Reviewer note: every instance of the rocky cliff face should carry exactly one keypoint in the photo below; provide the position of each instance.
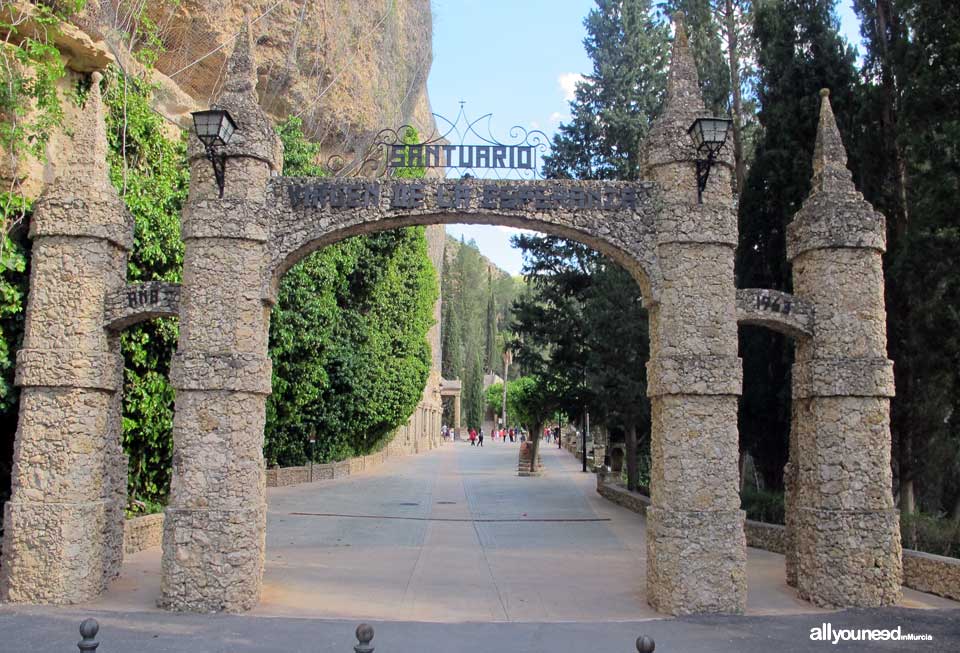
(348, 68)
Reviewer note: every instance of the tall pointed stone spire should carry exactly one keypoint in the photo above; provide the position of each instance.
(63, 534)
(241, 68)
(835, 245)
(830, 172)
(83, 175)
(255, 135)
(683, 83)
(667, 153)
(834, 212)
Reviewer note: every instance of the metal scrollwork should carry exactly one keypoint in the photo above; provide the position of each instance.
(484, 156)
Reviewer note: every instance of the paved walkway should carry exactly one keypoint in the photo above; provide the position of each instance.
(451, 536)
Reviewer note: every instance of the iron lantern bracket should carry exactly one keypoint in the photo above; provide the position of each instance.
(703, 172)
(219, 162)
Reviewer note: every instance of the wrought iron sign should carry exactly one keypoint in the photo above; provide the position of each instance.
(463, 147)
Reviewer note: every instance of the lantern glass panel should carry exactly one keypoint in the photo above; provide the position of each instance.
(709, 133)
(227, 128)
(213, 127)
(696, 133)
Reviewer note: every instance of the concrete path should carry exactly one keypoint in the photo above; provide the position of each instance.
(448, 537)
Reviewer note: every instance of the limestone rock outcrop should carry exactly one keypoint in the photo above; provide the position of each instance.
(348, 69)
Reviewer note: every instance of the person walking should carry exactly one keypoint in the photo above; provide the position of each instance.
(473, 437)
(480, 438)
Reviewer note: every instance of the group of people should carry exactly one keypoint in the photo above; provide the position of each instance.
(476, 435)
(504, 435)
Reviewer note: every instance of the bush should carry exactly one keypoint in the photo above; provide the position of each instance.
(763, 505)
(930, 534)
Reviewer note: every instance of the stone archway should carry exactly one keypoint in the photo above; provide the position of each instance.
(681, 253)
(237, 247)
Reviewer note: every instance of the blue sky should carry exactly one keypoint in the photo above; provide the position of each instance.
(516, 59)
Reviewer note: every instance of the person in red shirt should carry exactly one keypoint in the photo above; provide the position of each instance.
(473, 437)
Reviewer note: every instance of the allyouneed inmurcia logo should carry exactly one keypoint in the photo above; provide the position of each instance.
(825, 632)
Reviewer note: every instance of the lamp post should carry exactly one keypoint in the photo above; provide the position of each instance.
(215, 128)
(709, 136)
(313, 441)
(586, 434)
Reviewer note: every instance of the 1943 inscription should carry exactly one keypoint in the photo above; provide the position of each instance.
(460, 196)
(768, 302)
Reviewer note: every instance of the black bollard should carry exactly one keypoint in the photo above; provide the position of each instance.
(645, 644)
(88, 631)
(364, 637)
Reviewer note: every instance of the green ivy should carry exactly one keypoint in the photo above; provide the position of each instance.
(347, 336)
(150, 171)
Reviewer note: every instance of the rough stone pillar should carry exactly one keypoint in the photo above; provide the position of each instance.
(63, 526)
(214, 532)
(696, 550)
(847, 531)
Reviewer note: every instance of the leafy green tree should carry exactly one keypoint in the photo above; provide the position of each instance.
(616, 103)
(617, 353)
(800, 51)
(550, 319)
(347, 336)
(150, 172)
(14, 282)
(612, 113)
(533, 405)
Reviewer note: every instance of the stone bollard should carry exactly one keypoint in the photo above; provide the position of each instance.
(88, 631)
(645, 644)
(364, 637)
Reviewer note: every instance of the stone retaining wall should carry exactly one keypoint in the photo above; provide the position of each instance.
(283, 476)
(932, 573)
(142, 533)
(769, 537)
(923, 572)
(621, 496)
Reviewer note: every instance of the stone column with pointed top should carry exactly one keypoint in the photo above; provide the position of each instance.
(846, 539)
(214, 532)
(696, 550)
(63, 525)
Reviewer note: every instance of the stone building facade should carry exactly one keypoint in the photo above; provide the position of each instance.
(63, 533)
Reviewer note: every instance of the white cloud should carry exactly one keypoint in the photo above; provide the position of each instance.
(568, 84)
(556, 118)
(534, 124)
(513, 231)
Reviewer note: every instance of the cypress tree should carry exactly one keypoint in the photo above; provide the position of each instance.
(616, 103)
(491, 353)
(800, 51)
(911, 174)
(473, 398)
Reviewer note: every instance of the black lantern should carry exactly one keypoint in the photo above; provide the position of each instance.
(215, 128)
(709, 136)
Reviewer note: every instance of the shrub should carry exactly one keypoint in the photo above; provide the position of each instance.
(931, 534)
(763, 505)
